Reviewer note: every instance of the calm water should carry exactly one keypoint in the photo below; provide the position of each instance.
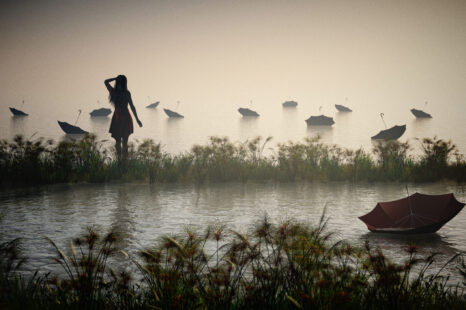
(206, 117)
(143, 213)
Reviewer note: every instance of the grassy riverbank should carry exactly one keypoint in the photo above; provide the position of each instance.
(273, 266)
(87, 160)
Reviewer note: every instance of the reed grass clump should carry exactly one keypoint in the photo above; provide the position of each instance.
(221, 160)
(284, 265)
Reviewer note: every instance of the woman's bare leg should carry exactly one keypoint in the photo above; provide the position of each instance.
(118, 148)
(125, 147)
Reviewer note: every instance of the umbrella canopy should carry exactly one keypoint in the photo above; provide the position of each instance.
(101, 112)
(70, 129)
(290, 104)
(247, 112)
(153, 105)
(320, 120)
(418, 213)
(17, 112)
(420, 114)
(342, 108)
(390, 134)
(173, 114)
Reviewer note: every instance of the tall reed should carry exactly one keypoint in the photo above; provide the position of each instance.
(284, 265)
(221, 160)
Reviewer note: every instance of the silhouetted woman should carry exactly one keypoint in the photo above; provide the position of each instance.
(122, 124)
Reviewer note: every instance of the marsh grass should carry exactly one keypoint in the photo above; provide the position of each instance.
(285, 265)
(221, 160)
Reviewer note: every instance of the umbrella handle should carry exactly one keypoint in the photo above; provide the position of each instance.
(409, 201)
(381, 116)
(79, 113)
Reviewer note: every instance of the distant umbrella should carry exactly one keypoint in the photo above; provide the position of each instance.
(17, 112)
(100, 112)
(320, 120)
(152, 105)
(247, 112)
(418, 213)
(289, 104)
(172, 114)
(420, 113)
(390, 134)
(72, 129)
(342, 108)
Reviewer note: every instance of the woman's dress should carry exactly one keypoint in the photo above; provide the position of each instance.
(122, 123)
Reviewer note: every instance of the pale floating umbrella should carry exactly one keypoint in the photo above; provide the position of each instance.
(173, 114)
(102, 112)
(421, 113)
(320, 120)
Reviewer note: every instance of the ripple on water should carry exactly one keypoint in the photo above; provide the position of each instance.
(144, 212)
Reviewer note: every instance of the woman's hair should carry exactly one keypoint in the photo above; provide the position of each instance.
(120, 89)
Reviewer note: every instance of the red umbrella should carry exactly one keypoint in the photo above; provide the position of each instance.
(418, 213)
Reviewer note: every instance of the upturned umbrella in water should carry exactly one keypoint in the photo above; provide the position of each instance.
(290, 104)
(17, 112)
(153, 105)
(420, 113)
(390, 134)
(342, 108)
(100, 112)
(320, 120)
(415, 214)
(171, 113)
(247, 112)
(72, 129)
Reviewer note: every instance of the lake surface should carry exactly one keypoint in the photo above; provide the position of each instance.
(144, 212)
(206, 117)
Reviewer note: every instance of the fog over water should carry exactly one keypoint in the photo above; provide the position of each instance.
(214, 57)
(217, 56)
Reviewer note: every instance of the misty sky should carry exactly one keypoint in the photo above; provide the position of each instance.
(63, 50)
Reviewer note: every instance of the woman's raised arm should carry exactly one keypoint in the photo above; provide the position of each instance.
(107, 83)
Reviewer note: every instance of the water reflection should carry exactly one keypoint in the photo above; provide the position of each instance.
(426, 244)
(421, 127)
(100, 124)
(18, 124)
(395, 247)
(121, 218)
(71, 137)
(143, 213)
(248, 126)
(325, 132)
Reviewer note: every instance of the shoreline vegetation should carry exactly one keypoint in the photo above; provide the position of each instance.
(289, 265)
(30, 162)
